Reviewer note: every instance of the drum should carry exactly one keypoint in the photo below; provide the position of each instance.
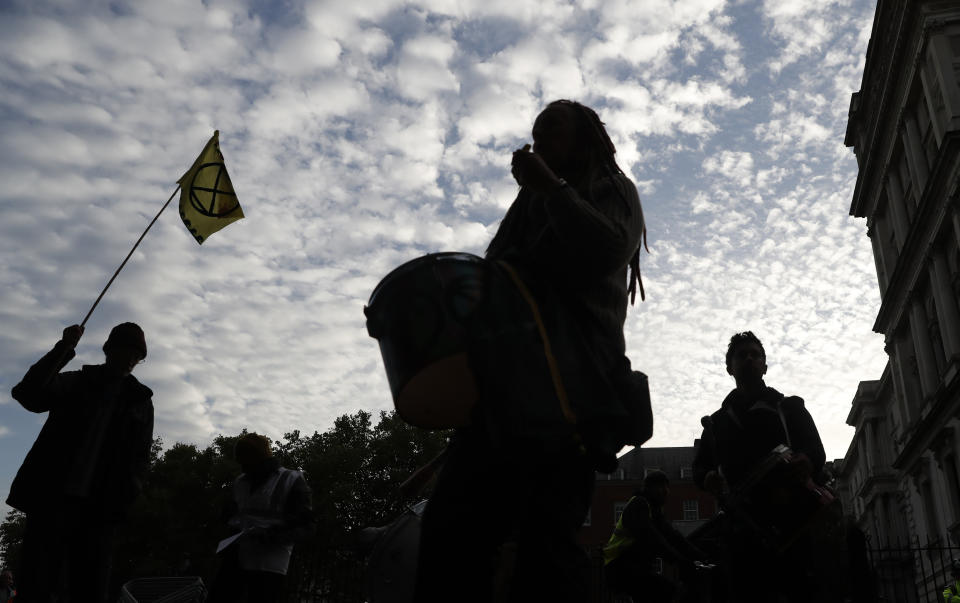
(778, 507)
(392, 567)
(422, 314)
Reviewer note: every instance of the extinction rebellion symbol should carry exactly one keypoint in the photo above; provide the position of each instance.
(204, 199)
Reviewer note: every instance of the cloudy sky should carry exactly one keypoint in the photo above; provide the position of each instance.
(363, 134)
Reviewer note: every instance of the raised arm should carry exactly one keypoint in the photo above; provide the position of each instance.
(43, 386)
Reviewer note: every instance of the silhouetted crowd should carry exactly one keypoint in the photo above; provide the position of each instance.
(523, 354)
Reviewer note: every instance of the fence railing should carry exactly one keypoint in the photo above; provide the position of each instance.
(900, 572)
(325, 575)
(911, 572)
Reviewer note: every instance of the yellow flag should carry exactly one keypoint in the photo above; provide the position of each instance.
(207, 199)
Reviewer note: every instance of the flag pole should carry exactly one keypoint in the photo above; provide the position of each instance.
(124, 263)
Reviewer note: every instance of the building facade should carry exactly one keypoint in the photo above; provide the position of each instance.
(687, 507)
(900, 478)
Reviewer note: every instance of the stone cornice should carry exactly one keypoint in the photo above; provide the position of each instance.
(881, 71)
(869, 396)
(883, 481)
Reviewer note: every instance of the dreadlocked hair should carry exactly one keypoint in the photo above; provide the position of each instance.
(593, 134)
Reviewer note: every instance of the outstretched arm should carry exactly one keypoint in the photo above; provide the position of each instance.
(43, 387)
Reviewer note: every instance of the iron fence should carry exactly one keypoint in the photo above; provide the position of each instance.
(898, 572)
(910, 572)
(325, 575)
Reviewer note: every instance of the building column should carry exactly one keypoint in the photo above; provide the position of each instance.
(916, 159)
(926, 363)
(901, 221)
(948, 315)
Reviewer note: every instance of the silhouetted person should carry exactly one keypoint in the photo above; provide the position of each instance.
(752, 421)
(502, 518)
(86, 467)
(271, 509)
(641, 536)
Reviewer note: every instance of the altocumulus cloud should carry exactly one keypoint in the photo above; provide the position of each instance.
(360, 135)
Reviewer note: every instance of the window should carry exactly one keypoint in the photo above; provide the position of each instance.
(618, 511)
(885, 231)
(691, 510)
(937, 100)
(906, 186)
(933, 332)
(686, 472)
(953, 265)
(928, 140)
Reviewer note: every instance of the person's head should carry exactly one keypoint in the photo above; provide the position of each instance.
(251, 450)
(656, 486)
(125, 347)
(746, 359)
(6, 577)
(955, 569)
(572, 140)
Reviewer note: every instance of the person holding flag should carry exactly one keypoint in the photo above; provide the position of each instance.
(85, 468)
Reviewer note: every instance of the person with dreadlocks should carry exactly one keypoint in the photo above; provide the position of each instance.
(501, 522)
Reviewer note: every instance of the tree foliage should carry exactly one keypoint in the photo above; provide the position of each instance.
(11, 537)
(353, 469)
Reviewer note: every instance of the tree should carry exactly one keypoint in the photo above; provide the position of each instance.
(354, 470)
(11, 537)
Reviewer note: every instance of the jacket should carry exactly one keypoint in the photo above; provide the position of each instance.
(642, 534)
(572, 249)
(744, 431)
(95, 444)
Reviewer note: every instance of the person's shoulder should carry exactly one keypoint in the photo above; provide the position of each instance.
(792, 402)
(638, 502)
(141, 390)
(618, 182)
(721, 412)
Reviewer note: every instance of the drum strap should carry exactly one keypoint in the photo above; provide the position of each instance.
(565, 407)
(783, 421)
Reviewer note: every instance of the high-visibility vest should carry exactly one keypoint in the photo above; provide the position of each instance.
(620, 540)
(951, 594)
(263, 508)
